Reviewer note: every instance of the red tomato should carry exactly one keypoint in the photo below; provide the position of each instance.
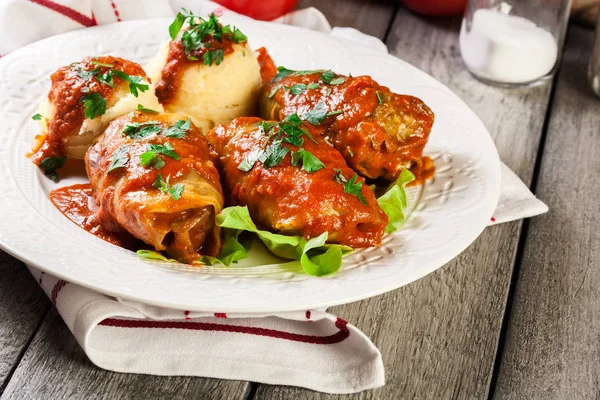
(437, 7)
(265, 10)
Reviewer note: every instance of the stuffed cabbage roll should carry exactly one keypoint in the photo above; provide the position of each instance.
(153, 176)
(294, 183)
(378, 132)
(84, 97)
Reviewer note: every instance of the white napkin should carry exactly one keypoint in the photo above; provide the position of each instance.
(308, 348)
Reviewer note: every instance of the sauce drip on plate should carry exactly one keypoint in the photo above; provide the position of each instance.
(77, 203)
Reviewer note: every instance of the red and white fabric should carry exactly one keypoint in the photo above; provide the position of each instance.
(307, 348)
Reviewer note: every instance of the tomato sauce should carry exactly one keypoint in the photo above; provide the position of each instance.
(65, 95)
(178, 60)
(77, 203)
(268, 69)
(424, 171)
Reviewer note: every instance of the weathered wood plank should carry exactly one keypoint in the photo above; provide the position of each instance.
(371, 16)
(439, 335)
(552, 346)
(22, 308)
(55, 367)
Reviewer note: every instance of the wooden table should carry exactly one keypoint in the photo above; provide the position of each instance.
(516, 316)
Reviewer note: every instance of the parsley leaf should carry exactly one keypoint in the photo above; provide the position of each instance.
(338, 81)
(379, 97)
(94, 104)
(107, 79)
(215, 56)
(140, 130)
(282, 72)
(178, 129)
(339, 176)
(176, 191)
(87, 75)
(37, 117)
(134, 82)
(310, 163)
(274, 154)
(300, 88)
(327, 76)
(250, 159)
(316, 115)
(165, 149)
(176, 25)
(355, 188)
(51, 164)
(102, 64)
(146, 110)
(119, 159)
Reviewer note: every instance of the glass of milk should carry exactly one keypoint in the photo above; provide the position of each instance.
(513, 42)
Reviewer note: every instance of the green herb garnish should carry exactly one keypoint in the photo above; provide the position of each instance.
(87, 75)
(195, 37)
(300, 88)
(355, 188)
(151, 158)
(134, 82)
(379, 97)
(309, 162)
(339, 176)
(51, 164)
(107, 79)
(119, 159)
(146, 110)
(94, 105)
(37, 117)
(327, 76)
(102, 64)
(166, 150)
(164, 186)
(140, 130)
(178, 129)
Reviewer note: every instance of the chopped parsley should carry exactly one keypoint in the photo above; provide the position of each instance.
(338, 81)
(355, 188)
(102, 64)
(176, 191)
(339, 176)
(140, 130)
(94, 105)
(166, 150)
(379, 97)
(51, 164)
(150, 158)
(300, 88)
(327, 76)
(195, 37)
(134, 82)
(37, 117)
(119, 159)
(87, 75)
(141, 108)
(249, 161)
(178, 129)
(282, 72)
(107, 79)
(309, 162)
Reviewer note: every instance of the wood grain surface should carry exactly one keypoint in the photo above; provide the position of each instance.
(552, 346)
(22, 308)
(439, 335)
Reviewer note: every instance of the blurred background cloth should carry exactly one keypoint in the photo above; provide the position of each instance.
(585, 11)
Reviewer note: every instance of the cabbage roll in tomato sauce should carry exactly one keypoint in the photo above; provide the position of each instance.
(378, 132)
(295, 183)
(153, 175)
(84, 97)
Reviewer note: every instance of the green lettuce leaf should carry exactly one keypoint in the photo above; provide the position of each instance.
(316, 257)
(393, 202)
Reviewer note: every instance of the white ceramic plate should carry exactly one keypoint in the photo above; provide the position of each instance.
(449, 212)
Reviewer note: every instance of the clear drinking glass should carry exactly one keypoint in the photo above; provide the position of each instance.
(594, 71)
(513, 42)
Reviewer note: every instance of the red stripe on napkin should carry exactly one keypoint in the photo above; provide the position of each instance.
(337, 337)
(67, 12)
(116, 11)
(56, 290)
